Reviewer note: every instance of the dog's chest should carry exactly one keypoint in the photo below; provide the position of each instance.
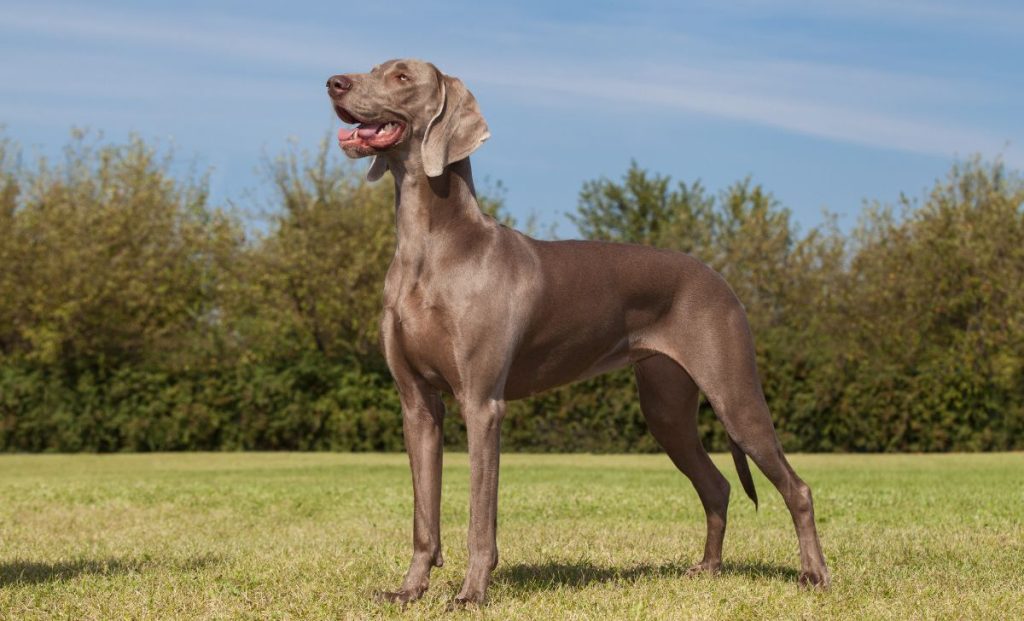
(422, 329)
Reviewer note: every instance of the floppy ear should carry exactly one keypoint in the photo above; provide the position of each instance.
(456, 130)
(377, 168)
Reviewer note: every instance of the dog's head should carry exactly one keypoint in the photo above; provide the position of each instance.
(409, 110)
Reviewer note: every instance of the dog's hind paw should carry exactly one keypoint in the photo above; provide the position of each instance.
(704, 568)
(815, 579)
(403, 596)
(462, 602)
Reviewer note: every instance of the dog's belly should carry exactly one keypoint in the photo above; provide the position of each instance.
(538, 370)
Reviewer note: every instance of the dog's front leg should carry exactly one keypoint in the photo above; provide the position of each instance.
(422, 417)
(483, 426)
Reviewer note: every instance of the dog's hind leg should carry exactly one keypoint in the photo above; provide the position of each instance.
(722, 362)
(668, 398)
(751, 428)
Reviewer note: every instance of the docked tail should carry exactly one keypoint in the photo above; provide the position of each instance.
(743, 469)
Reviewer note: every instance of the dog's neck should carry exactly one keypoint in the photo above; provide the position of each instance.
(426, 207)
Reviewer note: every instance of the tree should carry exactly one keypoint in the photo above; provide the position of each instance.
(313, 282)
(934, 317)
(107, 259)
(643, 209)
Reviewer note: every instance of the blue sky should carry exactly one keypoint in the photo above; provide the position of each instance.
(826, 103)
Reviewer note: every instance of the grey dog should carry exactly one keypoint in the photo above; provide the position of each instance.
(482, 312)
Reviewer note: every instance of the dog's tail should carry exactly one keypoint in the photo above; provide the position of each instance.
(743, 469)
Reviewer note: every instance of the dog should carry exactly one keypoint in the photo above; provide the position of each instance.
(482, 312)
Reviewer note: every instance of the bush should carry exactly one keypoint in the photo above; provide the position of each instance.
(135, 316)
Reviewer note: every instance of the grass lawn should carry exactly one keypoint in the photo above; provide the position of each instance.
(312, 536)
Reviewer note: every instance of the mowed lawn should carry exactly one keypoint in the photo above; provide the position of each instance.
(313, 536)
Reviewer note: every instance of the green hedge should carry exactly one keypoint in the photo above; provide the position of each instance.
(315, 405)
(302, 406)
(134, 316)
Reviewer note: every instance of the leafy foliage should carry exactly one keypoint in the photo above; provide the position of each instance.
(136, 316)
(906, 336)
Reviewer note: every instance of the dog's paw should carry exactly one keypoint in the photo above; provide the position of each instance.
(815, 579)
(463, 603)
(704, 568)
(467, 600)
(402, 596)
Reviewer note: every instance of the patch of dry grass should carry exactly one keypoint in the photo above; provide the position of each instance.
(312, 536)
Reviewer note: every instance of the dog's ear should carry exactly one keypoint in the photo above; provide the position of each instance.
(456, 130)
(378, 167)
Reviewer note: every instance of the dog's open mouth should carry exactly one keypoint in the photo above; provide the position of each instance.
(368, 137)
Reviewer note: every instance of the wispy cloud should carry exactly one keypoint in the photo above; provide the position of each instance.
(984, 15)
(752, 93)
(851, 104)
(240, 38)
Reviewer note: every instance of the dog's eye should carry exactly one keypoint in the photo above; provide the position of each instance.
(402, 77)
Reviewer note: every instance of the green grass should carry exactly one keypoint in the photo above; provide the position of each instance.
(312, 536)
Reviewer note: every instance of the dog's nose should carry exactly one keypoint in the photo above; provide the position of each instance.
(338, 84)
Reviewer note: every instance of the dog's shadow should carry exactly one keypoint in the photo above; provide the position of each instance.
(23, 572)
(577, 575)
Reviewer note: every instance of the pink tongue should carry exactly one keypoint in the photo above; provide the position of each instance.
(346, 134)
(368, 131)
